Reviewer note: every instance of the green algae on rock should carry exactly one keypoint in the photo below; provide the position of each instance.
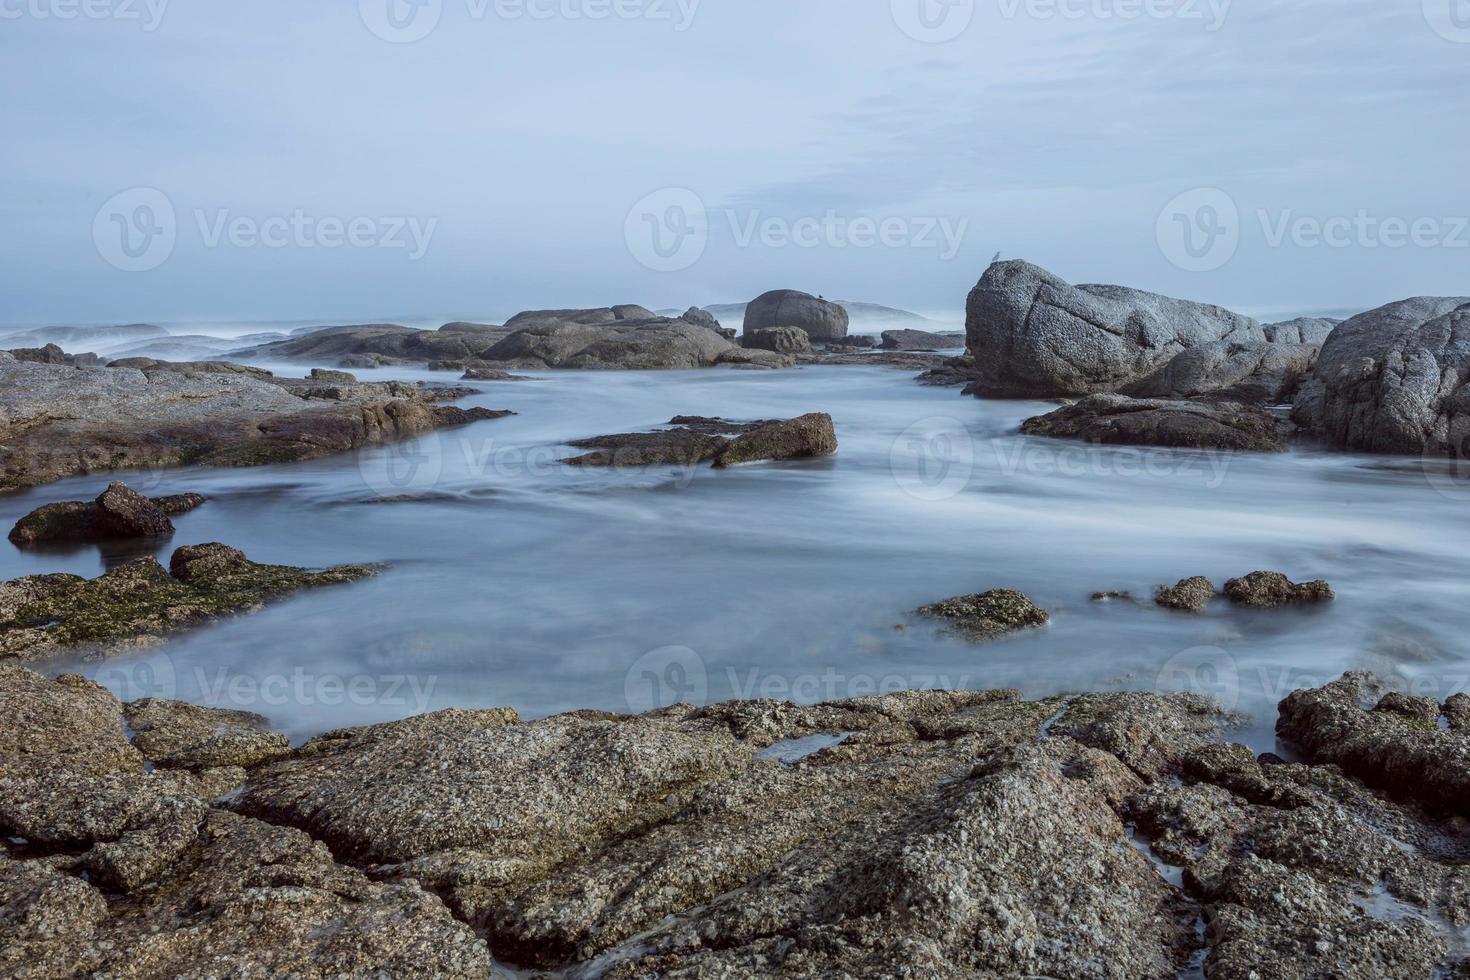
(989, 614)
(139, 603)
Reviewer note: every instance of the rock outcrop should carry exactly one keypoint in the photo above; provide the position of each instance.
(782, 340)
(378, 343)
(1394, 380)
(118, 512)
(1033, 335)
(1189, 595)
(626, 344)
(822, 320)
(690, 440)
(921, 340)
(915, 834)
(1199, 424)
(141, 602)
(1271, 590)
(58, 421)
(989, 614)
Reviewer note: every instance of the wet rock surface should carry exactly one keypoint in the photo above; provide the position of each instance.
(1177, 424)
(1033, 335)
(1394, 380)
(140, 602)
(989, 614)
(118, 512)
(690, 440)
(1270, 590)
(1189, 595)
(58, 421)
(920, 834)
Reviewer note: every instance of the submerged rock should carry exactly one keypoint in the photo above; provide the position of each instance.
(1269, 590)
(57, 421)
(693, 440)
(818, 318)
(1190, 595)
(1395, 380)
(1034, 335)
(989, 614)
(1117, 419)
(139, 603)
(806, 437)
(119, 512)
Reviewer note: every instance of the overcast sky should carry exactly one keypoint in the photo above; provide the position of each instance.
(307, 160)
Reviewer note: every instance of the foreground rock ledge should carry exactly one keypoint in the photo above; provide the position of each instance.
(924, 834)
(58, 421)
(141, 602)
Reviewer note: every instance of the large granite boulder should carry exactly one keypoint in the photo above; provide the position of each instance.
(1255, 372)
(782, 340)
(1395, 380)
(1303, 330)
(1033, 335)
(822, 320)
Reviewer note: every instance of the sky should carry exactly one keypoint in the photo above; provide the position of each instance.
(181, 160)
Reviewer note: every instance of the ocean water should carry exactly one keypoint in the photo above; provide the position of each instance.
(511, 580)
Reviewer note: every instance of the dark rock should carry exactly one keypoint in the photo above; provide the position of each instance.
(800, 438)
(951, 373)
(118, 512)
(139, 603)
(1303, 330)
(1270, 590)
(740, 357)
(50, 354)
(449, 415)
(1190, 595)
(782, 340)
(1394, 380)
(790, 308)
(1117, 419)
(332, 377)
(989, 614)
(681, 446)
(1035, 336)
(704, 318)
(480, 329)
(921, 340)
(374, 344)
(151, 366)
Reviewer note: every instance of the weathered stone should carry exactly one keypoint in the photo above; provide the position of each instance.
(1269, 590)
(57, 421)
(920, 340)
(67, 723)
(118, 513)
(741, 357)
(820, 319)
(652, 344)
(139, 603)
(989, 614)
(1034, 335)
(1395, 380)
(1189, 595)
(332, 377)
(1251, 372)
(806, 437)
(782, 340)
(1117, 419)
(176, 735)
